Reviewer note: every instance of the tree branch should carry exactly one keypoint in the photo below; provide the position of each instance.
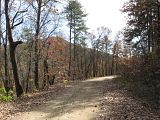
(17, 43)
(15, 16)
(12, 27)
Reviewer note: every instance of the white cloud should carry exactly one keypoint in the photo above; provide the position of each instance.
(104, 13)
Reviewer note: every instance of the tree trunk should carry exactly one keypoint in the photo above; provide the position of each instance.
(6, 79)
(19, 90)
(158, 33)
(74, 49)
(28, 73)
(70, 46)
(112, 64)
(85, 64)
(36, 77)
(46, 71)
(94, 63)
(46, 76)
(0, 46)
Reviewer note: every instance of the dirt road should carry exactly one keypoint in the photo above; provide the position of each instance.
(94, 99)
(78, 102)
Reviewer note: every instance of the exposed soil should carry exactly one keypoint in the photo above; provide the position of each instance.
(94, 99)
(78, 102)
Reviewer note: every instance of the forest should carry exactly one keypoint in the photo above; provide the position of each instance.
(34, 54)
(47, 42)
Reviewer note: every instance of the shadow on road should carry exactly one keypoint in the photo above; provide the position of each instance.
(78, 101)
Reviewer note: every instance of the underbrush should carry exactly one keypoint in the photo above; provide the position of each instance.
(4, 96)
(140, 91)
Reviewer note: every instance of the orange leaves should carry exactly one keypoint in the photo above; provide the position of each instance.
(57, 48)
(56, 43)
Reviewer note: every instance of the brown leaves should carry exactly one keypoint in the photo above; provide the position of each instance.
(117, 104)
(27, 102)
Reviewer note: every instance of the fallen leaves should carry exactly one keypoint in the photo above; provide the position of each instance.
(117, 104)
(27, 102)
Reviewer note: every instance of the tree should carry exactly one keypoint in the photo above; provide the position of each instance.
(116, 51)
(36, 79)
(142, 23)
(100, 44)
(143, 30)
(0, 43)
(12, 46)
(44, 12)
(75, 17)
(25, 57)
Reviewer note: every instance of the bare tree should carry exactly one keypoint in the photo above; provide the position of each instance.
(12, 46)
(43, 10)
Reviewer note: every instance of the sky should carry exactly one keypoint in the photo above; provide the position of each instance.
(104, 13)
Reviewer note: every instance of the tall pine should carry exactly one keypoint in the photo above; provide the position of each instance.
(76, 21)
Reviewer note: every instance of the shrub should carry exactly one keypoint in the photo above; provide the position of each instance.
(6, 98)
(145, 71)
(3, 95)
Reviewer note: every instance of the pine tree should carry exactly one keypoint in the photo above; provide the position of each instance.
(76, 21)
